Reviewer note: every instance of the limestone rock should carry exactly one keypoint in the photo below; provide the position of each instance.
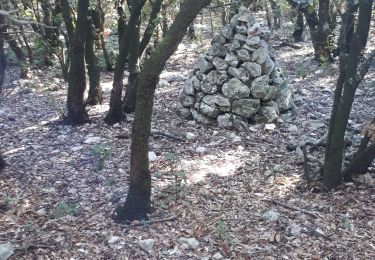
(260, 87)
(246, 107)
(204, 65)
(220, 63)
(235, 89)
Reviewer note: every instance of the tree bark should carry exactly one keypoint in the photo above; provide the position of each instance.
(77, 74)
(133, 79)
(115, 113)
(152, 23)
(298, 29)
(108, 63)
(324, 31)
(95, 95)
(21, 57)
(332, 171)
(2, 162)
(138, 201)
(3, 61)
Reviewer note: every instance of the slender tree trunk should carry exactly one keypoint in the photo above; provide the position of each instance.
(21, 57)
(2, 162)
(3, 61)
(298, 29)
(115, 113)
(276, 10)
(121, 21)
(77, 74)
(95, 95)
(164, 19)
(324, 31)
(133, 79)
(138, 203)
(332, 172)
(108, 63)
(152, 23)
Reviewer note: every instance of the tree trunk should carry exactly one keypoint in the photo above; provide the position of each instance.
(133, 79)
(95, 95)
(115, 113)
(152, 23)
(77, 74)
(324, 31)
(332, 171)
(21, 57)
(276, 11)
(164, 19)
(3, 61)
(100, 26)
(138, 203)
(2, 162)
(360, 162)
(298, 29)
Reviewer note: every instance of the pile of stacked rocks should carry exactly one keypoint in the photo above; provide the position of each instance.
(237, 80)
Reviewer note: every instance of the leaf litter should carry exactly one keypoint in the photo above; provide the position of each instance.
(222, 194)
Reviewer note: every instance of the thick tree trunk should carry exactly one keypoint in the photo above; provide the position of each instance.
(332, 171)
(77, 74)
(138, 204)
(95, 95)
(115, 113)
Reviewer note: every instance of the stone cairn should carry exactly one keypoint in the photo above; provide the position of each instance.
(236, 81)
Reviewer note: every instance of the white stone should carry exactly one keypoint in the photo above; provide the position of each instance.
(114, 239)
(152, 156)
(92, 140)
(191, 242)
(146, 244)
(217, 256)
(200, 149)
(190, 136)
(269, 127)
(271, 215)
(76, 148)
(365, 178)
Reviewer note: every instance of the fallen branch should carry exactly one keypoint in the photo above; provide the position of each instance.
(294, 208)
(149, 222)
(166, 134)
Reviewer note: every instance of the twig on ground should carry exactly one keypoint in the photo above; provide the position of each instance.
(149, 222)
(293, 208)
(166, 134)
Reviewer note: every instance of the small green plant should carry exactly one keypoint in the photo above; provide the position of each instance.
(301, 72)
(223, 230)
(102, 154)
(180, 177)
(63, 209)
(31, 227)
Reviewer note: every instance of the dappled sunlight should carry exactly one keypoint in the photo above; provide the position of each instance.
(221, 164)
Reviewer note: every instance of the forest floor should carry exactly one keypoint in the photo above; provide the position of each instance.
(238, 196)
